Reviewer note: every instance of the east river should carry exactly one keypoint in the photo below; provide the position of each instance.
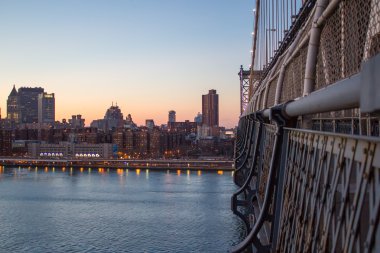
(84, 210)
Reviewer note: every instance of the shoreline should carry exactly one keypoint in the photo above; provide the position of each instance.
(115, 164)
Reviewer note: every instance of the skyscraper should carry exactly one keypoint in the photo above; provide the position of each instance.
(28, 104)
(171, 117)
(210, 109)
(198, 118)
(112, 119)
(46, 108)
(13, 111)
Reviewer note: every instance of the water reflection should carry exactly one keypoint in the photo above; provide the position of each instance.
(88, 208)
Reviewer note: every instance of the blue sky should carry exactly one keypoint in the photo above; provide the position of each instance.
(149, 56)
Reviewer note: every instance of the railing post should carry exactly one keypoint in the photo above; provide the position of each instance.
(312, 51)
(246, 188)
(273, 188)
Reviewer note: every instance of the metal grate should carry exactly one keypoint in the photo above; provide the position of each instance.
(373, 34)
(342, 44)
(294, 76)
(271, 92)
(332, 193)
(269, 132)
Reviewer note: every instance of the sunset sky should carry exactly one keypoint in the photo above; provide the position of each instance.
(149, 56)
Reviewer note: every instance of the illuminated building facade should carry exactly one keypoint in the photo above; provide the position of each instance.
(46, 108)
(71, 150)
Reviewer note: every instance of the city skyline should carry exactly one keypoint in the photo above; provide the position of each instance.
(49, 110)
(148, 57)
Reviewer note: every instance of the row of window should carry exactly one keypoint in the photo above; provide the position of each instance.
(76, 155)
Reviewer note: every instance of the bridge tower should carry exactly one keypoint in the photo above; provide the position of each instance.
(244, 88)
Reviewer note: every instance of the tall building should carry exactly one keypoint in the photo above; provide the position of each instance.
(46, 108)
(210, 109)
(112, 119)
(76, 121)
(129, 124)
(171, 116)
(13, 111)
(149, 123)
(28, 104)
(198, 118)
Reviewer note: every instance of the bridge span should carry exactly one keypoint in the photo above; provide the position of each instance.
(307, 154)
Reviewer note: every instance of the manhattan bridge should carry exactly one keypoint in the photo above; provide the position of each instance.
(307, 154)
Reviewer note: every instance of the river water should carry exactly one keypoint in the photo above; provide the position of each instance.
(84, 210)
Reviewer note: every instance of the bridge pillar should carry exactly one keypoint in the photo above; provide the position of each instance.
(244, 88)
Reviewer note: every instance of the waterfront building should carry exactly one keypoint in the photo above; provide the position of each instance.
(71, 150)
(142, 142)
(5, 142)
(129, 142)
(172, 116)
(154, 142)
(85, 135)
(46, 108)
(118, 139)
(13, 110)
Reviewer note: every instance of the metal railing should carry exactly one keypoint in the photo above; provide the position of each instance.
(308, 163)
(310, 191)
